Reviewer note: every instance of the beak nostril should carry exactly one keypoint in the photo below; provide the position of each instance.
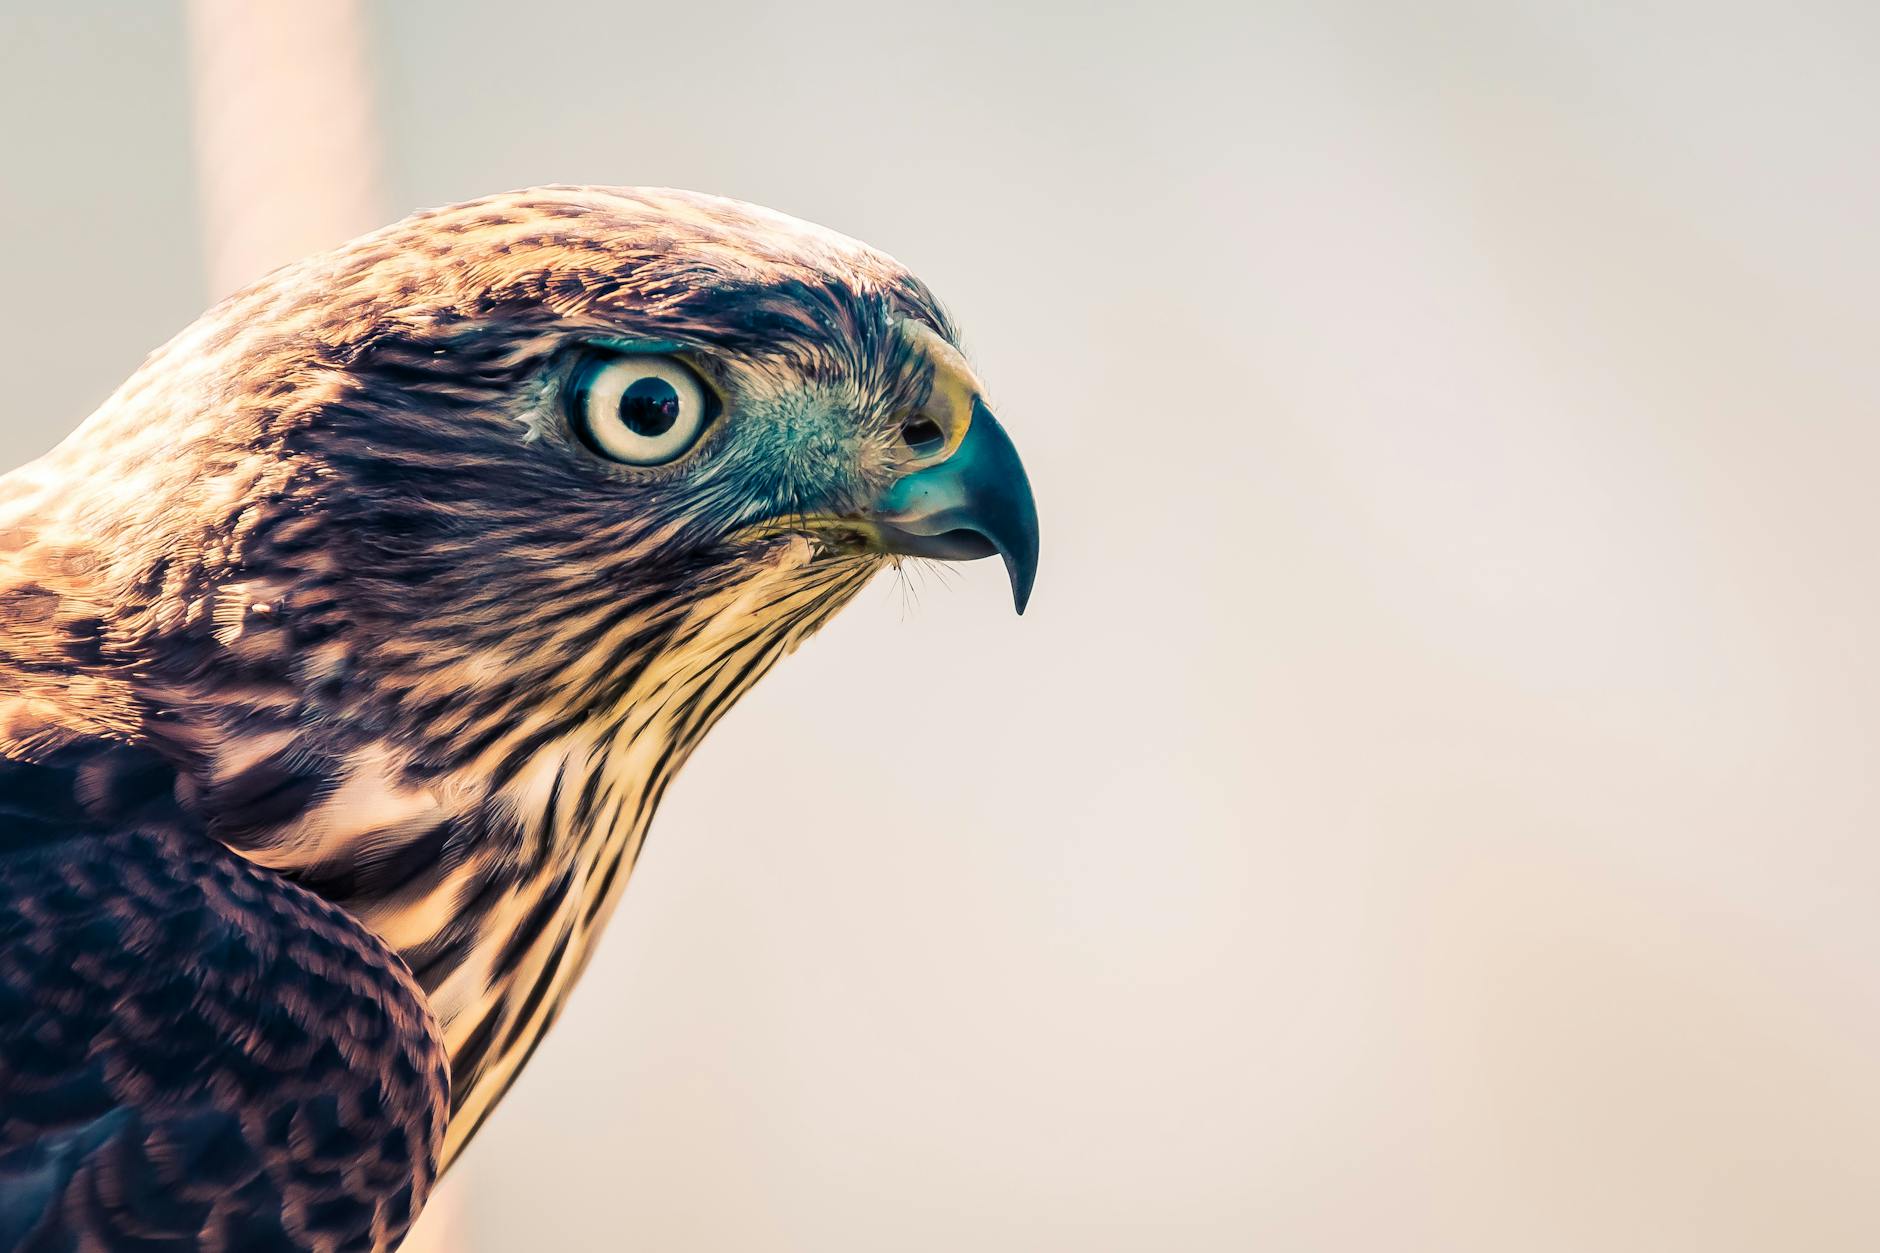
(923, 435)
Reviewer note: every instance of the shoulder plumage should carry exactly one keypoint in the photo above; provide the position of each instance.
(192, 1049)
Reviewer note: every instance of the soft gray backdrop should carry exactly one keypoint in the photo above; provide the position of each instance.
(1431, 804)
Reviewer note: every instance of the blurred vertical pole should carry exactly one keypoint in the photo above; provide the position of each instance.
(286, 145)
(287, 163)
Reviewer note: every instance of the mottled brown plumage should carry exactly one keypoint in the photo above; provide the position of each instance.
(333, 606)
(192, 1052)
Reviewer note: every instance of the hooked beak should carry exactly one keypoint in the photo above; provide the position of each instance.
(972, 504)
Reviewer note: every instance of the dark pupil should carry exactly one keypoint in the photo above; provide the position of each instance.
(650, 407)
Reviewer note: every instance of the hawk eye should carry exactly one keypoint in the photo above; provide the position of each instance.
(640, 410)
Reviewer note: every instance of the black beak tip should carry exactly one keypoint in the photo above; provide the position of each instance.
(1021, 585)
(1021, 565)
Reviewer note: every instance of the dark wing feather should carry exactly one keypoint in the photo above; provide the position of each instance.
(194, 1053)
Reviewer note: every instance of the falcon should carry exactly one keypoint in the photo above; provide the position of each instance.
(346, 652)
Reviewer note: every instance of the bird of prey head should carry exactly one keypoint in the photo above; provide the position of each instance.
(425, 563)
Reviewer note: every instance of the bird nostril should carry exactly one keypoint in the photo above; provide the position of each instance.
(923, 435)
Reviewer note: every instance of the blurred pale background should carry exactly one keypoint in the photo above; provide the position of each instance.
(1431, 804)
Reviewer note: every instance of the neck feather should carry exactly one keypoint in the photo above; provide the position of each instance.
(493, 879)
(481, 818)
